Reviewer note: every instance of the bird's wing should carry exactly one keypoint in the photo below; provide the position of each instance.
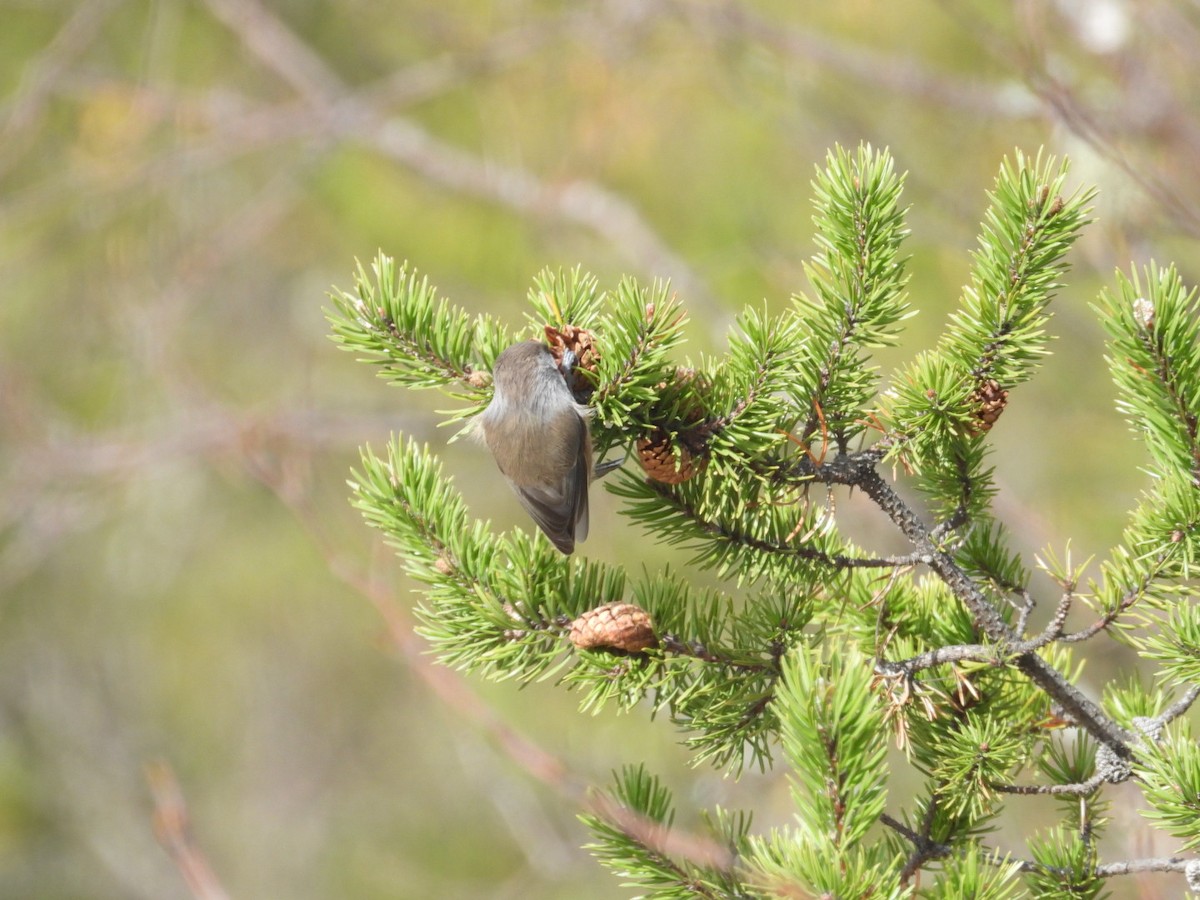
(561, 509)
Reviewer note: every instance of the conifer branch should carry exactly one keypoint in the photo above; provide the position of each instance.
(396, 320)
(960, 515)
(824, 654)
(1155, 362)
(729, 531)
(702, 653)
(1082, 710)
(1126, 602)
(634, 833)
(861, 473)
(639, 329)
(948, 397)
(859, 280)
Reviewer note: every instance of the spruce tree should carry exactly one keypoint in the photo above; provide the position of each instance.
(818, 653)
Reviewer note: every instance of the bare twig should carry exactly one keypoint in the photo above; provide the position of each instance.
(941, 656)
(924, 849)
(1179, 707)
(41, 72)
(1081, 789)
(901, 75)
(1054, 628)
(1025, 612)
(172, 826)
(1133, 866)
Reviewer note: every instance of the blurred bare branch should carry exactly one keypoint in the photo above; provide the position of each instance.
(62, 484)
(40, 74)
(280, 48)
(328, 110)
(871, 67)
(356, 118)
(1145, 126)
(173, 827)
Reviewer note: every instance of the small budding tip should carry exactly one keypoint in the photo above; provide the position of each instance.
(1143, 313)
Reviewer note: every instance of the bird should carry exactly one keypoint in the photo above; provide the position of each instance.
(538, 435)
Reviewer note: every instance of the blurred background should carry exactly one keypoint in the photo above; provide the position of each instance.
(192, 613)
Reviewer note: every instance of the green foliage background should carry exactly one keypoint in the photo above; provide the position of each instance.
(181, 577)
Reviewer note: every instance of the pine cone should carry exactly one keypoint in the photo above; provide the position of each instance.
(989, 401)
(665, 460)
(583, 344)
(614, 627)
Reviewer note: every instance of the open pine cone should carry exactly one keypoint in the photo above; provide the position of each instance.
(989, 402)
(581, 342)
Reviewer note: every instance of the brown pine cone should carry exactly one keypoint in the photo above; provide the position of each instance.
(614, 626)
(989, 402)
(582, 343)
(665, 460)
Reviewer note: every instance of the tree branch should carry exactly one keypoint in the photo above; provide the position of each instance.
(940, 656)
(172, 826)
(924, 849)
(859, 470)
(1082, 789)
(1179, 707)
(798, 551)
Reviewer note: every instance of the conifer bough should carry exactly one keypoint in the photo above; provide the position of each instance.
(817, 652)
